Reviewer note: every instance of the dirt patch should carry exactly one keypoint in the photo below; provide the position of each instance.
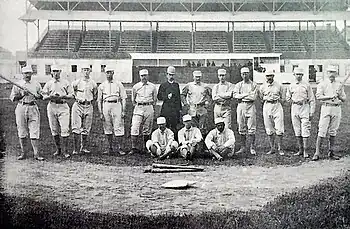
(100, 188)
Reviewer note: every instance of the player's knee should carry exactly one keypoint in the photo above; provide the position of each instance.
(174, 145)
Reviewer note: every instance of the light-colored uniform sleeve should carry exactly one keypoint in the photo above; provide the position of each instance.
(342, 93)
(197, 137)
(289, 94)
(181, 136)
(311, 98)
(230, 143)
(154, 94)
(209, 139)
(94, 90)
(14, 93)
(215, 95)
(133, 95)
(170, 138)
(100, 92)
(154, 138)
(122, 91)
(253, 93)
(319, 91)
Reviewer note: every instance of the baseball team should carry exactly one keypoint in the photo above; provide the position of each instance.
(196, 98)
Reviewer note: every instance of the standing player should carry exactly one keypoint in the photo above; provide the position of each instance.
(169, 93)
(111, 105)
(144, 98)
(303, 107)
(221, 140)
(331, 93)
(189, 138)
(85, 92)
(57, 90)
(196, 95)
(27, 112)
(271, 93)
(222, 97)
(246, 93)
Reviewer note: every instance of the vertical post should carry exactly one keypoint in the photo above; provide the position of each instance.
(315, 50)
(192, 37)
(345, 33)
(335, 26)
(68, 43)
(269, 26)
(151, 36)
(110, 36)
(307, 26)
(48, 25)
(274, 36)
(233, 36)
(228, 27)
(26, 39)
(264, 27)
(120, 32)
(38, 28)
(299, 26)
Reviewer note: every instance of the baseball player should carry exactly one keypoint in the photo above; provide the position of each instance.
(271, 93)
(144, 98)
(169, 93)
(84, 92)
(221, 140)
(189, 138)
(196, 95)
(246, 93)
(162, 143)
(111, 105)
(302, 97)
(27, 112)
(222, 97)
(331, 94)
(57, 91)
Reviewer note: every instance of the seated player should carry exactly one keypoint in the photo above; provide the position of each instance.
(221, 140)
(162, 143)
(189, 138)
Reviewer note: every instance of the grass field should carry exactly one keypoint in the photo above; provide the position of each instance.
(98, 191)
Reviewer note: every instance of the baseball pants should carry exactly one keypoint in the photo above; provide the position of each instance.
(58, 115)
(223, 112)
(113, 121)
(273, 118)
(329, 120)
(28, 121)
(81, 118)
(246, 118)
(301, 120)
(142, 117)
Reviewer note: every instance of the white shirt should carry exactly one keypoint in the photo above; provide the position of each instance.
(226, 138)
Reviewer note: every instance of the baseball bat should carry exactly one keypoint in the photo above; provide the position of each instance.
(17, 85)
(167, 166)
(156, 170)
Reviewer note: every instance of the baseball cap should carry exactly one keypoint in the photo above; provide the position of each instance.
(298, 70)
(27, 69)
(83, 66)
(269, 72)
(221, 71)
(244, 70)
(161, 120)
(55, 67)
(143, 72)
(219, 120)
(197, 73)
(171, 70)
(186, 118)
(108, 68)
(332, 68)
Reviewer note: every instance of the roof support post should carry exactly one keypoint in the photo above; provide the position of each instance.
(110, 36)
(299, 26)
(48, 25)
(307, 26)
(192, 37)
(68, 43)
(233, 36)
(38, 30)
(270, 26)
(315, 49)
(264, 27)
(26, 39)
(345, 34)
(335, 26)
(151, 36)
(120, 32)
(274, 36)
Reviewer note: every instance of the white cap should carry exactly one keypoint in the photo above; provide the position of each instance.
(269, 72)
(108, 68)
(143, 72)
(332, 68)
(221, 71)
(161, 120)
(55, 67)
(83, 66)
(171, 70)
(27, 69)
(244, 70)
(219, 120)
(197, 73)
(186, 118)
(298, 70)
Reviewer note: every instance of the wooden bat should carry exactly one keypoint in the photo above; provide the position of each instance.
(17, 85)
(158, 170)
(166, 166)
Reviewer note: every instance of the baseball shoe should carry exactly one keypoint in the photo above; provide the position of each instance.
(241, 150)
(297, 153)
(281, 152)
(121, 153)
(107, 152)
(306, 155)
(85, 151)
(133, 151)
(75, 152)
(252, 151)
(39, 158)
(315, 158)
(272, 151)
(21, 157)
(332, 156)
(67, 155)
(57, 153)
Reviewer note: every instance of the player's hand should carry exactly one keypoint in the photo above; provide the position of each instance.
(75, 88)
(123, 114)
(311, 117)
(102, 117)
(214, 147)
(25, 92)
(170, 95)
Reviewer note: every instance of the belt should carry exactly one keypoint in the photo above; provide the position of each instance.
(114, 101)
(301, 103)
(58, 102)
(144, 104)
(248, 102)
(272, 101)
(84, 102)
(331, 104)
(29, 103)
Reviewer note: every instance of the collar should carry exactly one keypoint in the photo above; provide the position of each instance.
(188, 129)
(56, 81)
(171, 82)
(194, 82)
(86, 79)
(110, 81)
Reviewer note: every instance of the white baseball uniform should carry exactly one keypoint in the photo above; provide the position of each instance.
(222, 94)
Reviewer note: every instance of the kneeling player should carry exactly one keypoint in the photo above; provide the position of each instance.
(189, 138)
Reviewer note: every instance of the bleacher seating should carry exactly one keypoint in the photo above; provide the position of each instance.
(98, 41)
(57, 40)
(211, 41)
(286, 41)
(174, 41)
(135, 41)
(249, 41)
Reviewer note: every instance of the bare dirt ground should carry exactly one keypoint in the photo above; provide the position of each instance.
(125, 189)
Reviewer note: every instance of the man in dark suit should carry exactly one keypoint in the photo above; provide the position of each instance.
(169, 93)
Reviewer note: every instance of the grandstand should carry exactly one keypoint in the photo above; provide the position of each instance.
(307, 46)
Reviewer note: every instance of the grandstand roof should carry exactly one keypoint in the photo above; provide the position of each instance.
(125, 16)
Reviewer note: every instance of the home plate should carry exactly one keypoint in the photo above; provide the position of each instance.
(178, 184)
